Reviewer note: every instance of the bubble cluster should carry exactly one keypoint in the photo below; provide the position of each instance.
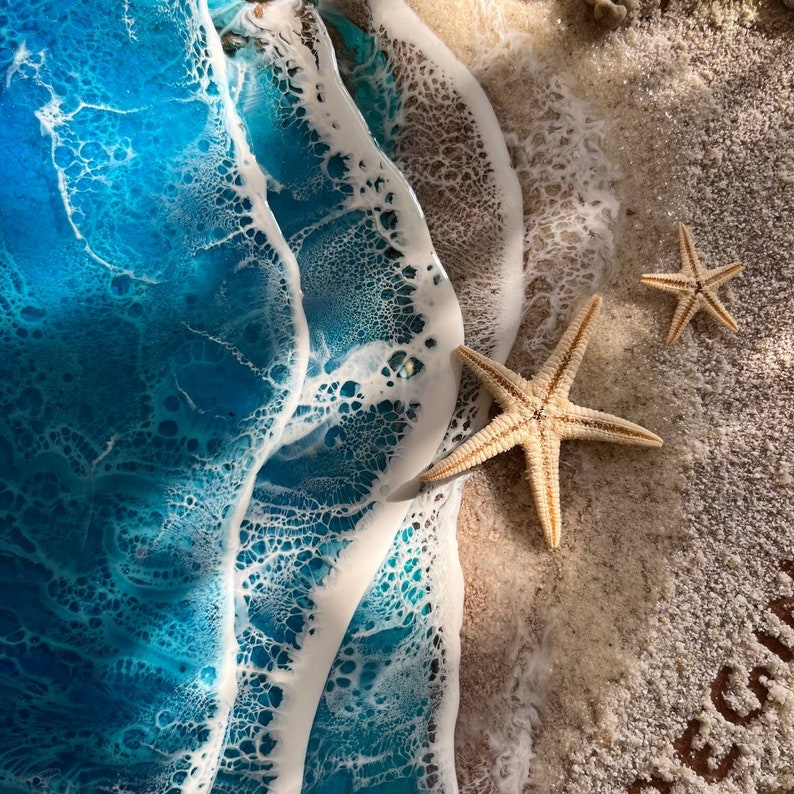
(448, 144)
(373, 297)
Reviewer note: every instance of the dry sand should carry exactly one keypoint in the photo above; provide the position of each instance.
(610, 662)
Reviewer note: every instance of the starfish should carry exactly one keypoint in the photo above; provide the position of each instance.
(538, 416)
(694, 286)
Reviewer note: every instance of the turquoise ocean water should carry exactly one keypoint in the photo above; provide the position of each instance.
(220, 315)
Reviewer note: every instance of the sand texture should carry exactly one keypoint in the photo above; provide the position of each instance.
(654, 651)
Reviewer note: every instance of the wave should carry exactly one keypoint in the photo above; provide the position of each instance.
(153, 346)
(226, 343)
(383, 322)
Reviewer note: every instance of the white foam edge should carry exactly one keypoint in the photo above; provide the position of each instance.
(337, 118)
(401, 22)
(337, 600)
(450, 591)
(585, 209)
(355, 568)
(205, 761)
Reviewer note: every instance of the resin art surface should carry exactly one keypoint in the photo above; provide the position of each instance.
(226, 358)
(262, 265)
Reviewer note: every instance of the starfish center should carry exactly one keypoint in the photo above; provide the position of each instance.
(538, 416)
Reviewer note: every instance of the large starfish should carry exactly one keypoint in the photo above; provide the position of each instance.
(694, 286)
(538, 416)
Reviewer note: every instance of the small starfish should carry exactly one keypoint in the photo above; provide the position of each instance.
(538, 415)
(694, 286)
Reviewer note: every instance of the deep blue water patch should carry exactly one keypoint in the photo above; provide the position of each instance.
(146, 347)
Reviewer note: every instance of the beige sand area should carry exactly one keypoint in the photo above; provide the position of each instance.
(662, 624)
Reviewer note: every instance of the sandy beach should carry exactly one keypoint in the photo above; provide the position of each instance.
(654, 650)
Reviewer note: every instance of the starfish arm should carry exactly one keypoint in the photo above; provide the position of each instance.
(503, 433)
(690, 263)
(711, 303)
(719, 275)
(674, 283)
(684, 312)
(542, 452)
(555, 377)
(585, 424)
(506, 386)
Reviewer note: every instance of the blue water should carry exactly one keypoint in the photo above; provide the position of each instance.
(151, 361)
(143, 374)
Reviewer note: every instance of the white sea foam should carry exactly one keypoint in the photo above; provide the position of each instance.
(204, 763)
(453, 152)
(282, 30)
(502, 763)
(22, 56)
